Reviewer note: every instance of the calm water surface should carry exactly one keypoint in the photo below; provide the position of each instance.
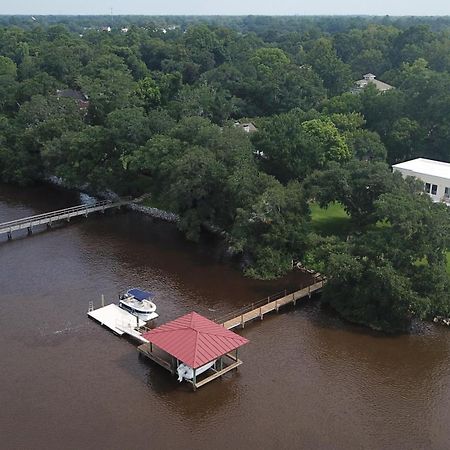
(308, 380)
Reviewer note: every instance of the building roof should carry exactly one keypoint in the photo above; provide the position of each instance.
(369, 78)
(249, 127)
(426, 167)
(194, 339)
(71, 93)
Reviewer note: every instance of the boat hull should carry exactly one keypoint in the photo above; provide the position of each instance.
(145, 316)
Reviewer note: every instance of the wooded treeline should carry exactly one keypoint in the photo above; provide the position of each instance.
(162, 99)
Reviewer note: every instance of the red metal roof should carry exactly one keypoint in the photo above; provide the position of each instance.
(194, 339)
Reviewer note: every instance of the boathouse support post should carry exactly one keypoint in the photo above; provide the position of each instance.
(294, 300)
(260, 313)
(242, 321)
(194, 380)
(30, 230)
(9, 234)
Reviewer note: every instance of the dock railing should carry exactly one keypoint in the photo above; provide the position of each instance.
(60, 214)
(252, 306)
(264, 301)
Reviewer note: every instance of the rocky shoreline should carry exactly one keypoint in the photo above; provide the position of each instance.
(155, 212)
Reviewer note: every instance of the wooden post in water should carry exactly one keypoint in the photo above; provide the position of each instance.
(103, 300)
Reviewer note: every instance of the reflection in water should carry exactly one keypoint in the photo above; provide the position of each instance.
(308, 380)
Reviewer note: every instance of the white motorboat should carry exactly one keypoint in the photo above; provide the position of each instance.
(137, 302)
(187, 373)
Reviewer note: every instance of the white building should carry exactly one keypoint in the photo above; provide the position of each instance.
(434, 174)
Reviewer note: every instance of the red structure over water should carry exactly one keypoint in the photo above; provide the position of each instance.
(194, 339)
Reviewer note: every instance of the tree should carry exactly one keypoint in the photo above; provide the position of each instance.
(204, 101)
(86, 157)
(148, 92)
(385, 275)
(366, 145)
(336, 75)
(273, 230)
(108, 83)
(8, 83)
(403, 140)
(273, 84)
(293, 146)
(356, 185)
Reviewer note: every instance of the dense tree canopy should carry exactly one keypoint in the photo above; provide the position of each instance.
(156, 105)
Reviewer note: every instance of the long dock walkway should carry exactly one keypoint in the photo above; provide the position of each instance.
(259, 309)
(27, 223)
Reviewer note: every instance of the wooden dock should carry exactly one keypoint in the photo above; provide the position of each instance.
(28, 223)
(225, 364)
(259, 309)
(120, 321)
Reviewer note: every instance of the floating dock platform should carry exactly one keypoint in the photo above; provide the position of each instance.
(119, 321)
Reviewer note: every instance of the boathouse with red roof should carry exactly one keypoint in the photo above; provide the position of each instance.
(206, 348)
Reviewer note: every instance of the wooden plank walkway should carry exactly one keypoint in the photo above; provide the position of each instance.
(218, 374)
(27, 223)
(259, 309)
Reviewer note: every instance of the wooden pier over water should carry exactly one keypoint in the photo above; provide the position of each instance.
(28, 223)
(258, 309)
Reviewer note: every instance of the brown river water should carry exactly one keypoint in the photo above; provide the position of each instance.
(308, 379)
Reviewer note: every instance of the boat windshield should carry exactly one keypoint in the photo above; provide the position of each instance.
(140, 295)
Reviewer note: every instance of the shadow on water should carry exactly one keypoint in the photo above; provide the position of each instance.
(181, 399)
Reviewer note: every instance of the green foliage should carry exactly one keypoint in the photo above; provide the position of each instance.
(294, 146)
(373, 275)
(8, 83)
(273, 231)
(148, 92)
(160, 118)
(356, 185)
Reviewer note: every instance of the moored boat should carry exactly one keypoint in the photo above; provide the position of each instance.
(138, 302)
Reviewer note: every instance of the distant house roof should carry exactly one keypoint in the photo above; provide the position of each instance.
(71, 93)
(194, 339)
(369, 78)
(249, 127)
(424, 166)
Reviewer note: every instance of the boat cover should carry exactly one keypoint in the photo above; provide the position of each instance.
(140, 295)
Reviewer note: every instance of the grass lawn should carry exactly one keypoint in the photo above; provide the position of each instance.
(331, 220)
(334, 220)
